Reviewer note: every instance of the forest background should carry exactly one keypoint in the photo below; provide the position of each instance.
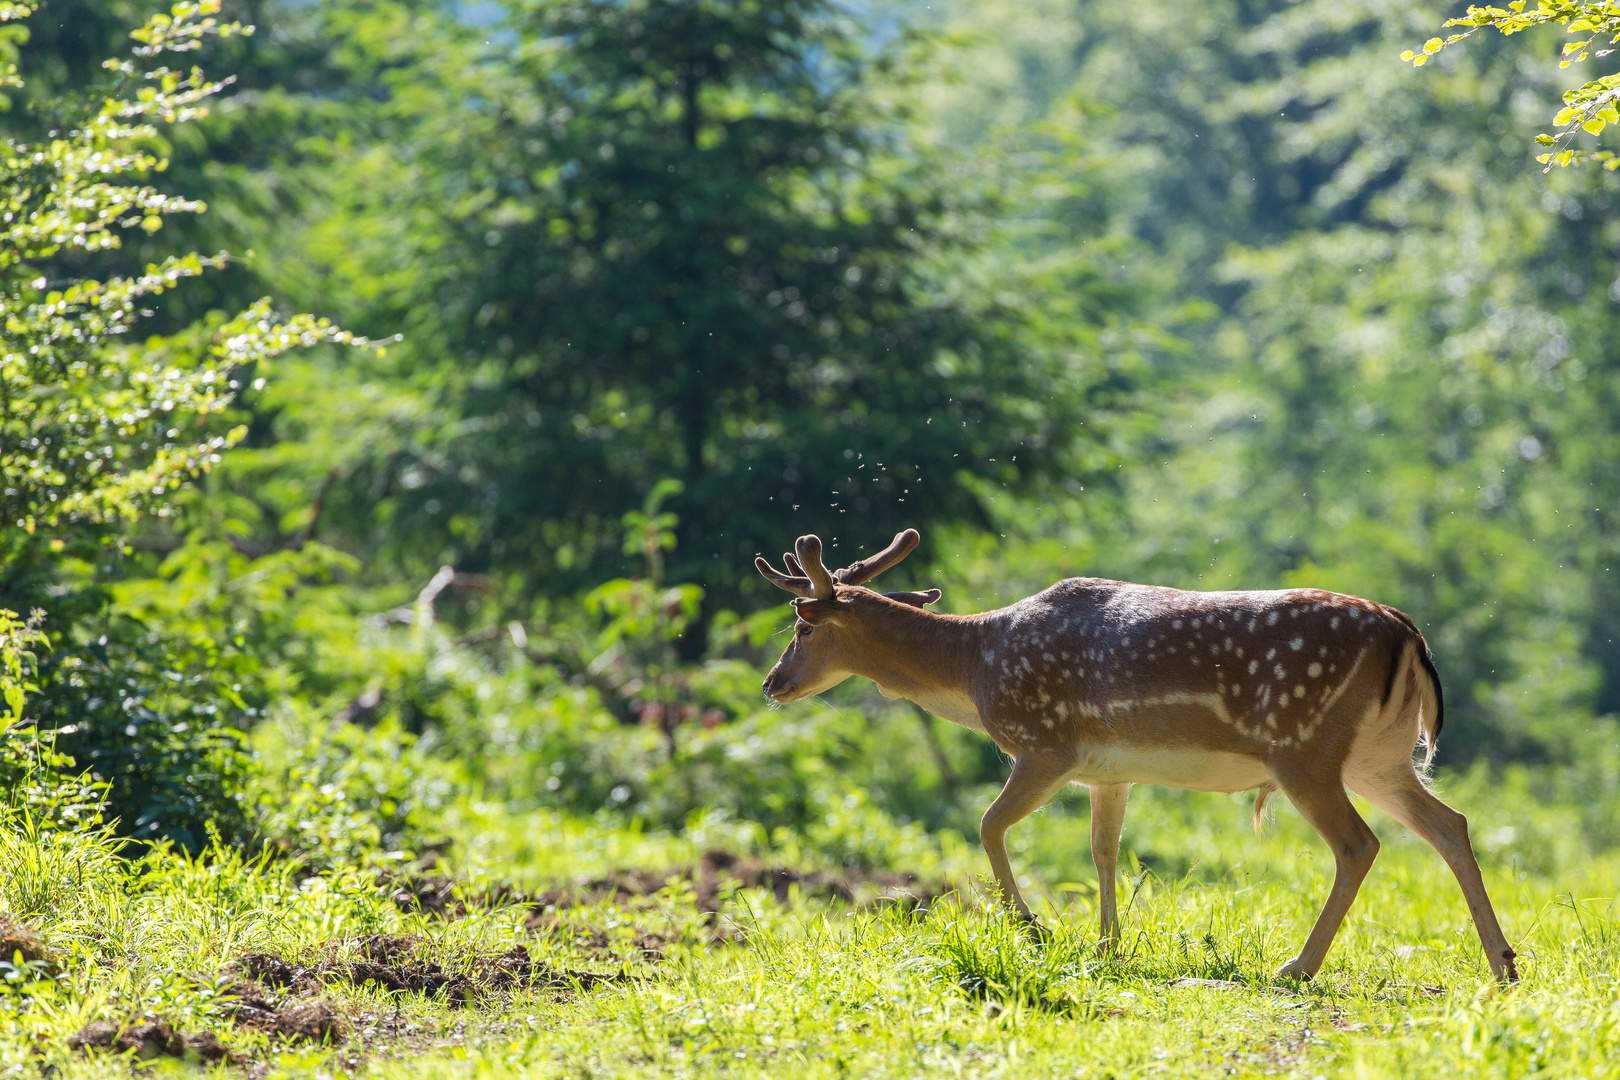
(1211, 296)
(1212, 299)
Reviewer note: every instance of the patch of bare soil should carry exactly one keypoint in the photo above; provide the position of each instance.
(152, 1039)
(719, 870)
(395, 963)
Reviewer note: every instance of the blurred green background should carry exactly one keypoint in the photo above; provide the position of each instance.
(1213, 296)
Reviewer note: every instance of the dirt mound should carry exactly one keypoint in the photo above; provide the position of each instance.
(19, 942)
(297, 1019)
(152, 1039)
(395, 963)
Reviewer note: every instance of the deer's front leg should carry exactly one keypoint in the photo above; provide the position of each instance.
(1107, 819)
(1031, 784)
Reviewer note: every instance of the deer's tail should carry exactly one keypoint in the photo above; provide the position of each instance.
(1433, 717)
(1410, 655)
(1261, 794)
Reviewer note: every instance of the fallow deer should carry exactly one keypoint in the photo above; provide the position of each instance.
(1110, 684)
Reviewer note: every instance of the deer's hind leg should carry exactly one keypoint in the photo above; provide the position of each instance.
(1399, 792)
(1320, 797)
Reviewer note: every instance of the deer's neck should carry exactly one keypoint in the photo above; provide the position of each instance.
(927, 658)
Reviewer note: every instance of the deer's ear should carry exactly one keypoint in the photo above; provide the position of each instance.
(915, 599)
(813, 611)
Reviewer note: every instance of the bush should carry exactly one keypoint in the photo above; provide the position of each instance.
(118, 709)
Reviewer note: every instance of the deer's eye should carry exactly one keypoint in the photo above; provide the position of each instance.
(804, 629)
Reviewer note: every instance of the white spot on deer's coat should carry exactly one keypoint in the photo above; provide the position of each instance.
(1314, 670)
(1271, 620)
(1271, 654)
(1254, 666)
(1297, 644)
(1299, 691)
(1277, 669)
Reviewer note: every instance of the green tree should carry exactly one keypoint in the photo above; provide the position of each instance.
(689, 239)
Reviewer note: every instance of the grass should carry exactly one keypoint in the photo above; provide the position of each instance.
(802, 988)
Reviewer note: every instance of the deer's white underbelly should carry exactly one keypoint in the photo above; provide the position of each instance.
(1179, 767)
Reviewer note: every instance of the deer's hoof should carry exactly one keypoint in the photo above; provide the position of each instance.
(1507, 972)
(1295, 970)
(1037, 930)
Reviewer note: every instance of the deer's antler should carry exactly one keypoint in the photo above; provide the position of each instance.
(808, 576)
(793, 583)
(808, 552)
(864, 570)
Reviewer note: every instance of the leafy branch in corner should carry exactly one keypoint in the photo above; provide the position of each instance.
(94, 427)
(1590, 107)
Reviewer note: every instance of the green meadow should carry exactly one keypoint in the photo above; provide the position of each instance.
(651, 979)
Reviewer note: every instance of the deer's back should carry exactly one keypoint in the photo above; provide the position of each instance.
(1098, 662)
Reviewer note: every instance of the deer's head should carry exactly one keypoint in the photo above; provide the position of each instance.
(827, 645)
